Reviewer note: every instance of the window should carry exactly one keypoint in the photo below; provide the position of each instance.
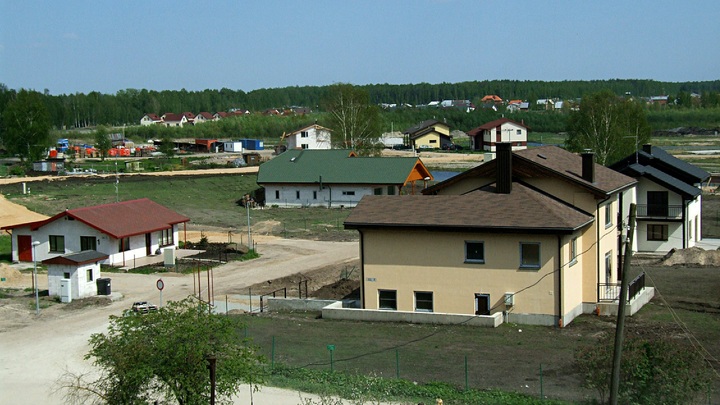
(297, 194)
(314, 195)
(166, 237)
(303, 134)
(433, 141)
(529, 255)
(474, 252)
(391, 190)
(304, 146)
(423, 301)
(519, 132)
(89, 275)
(608, 215)
(66, 275)
(657, 232)
(124, 244)
(348, 193)
(377, 191)
(277, 194)
(608, 267)
(388, 299)
(57, 243)
(88, 243)
(573, 251)
(657, 203)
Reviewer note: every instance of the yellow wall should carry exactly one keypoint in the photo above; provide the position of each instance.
(426, 140)
(409, 261)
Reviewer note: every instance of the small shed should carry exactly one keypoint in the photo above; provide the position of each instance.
(81, 268)
(232, 146)
(252, 158)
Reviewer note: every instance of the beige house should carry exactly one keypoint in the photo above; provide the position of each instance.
(430, 134)
(532, 235)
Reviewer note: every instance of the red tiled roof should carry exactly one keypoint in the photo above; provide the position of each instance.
(153, 117)
(173, 117)
(120, 220)
(205, 115)
(492, 97)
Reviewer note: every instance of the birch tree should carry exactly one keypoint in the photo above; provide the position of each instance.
(609, 126)
(354, 121)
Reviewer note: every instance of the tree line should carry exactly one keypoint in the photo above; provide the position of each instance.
(126, 107)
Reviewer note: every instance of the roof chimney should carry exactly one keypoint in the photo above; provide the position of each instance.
(503, 170)
(588, 166)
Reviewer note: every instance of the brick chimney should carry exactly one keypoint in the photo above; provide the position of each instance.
(588, 166)
(504, 167)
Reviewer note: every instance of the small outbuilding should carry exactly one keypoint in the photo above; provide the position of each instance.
(81, 268)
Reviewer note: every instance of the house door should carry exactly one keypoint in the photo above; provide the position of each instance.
(25, 253)
(148, 244)
(657, 203)
(482, 304)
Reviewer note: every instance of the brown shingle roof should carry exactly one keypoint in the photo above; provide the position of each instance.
(480, 210)
(549, 161)
(120, 220)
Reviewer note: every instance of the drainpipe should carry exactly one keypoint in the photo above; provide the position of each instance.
(684, 225)
(560, 290)
(362, 269)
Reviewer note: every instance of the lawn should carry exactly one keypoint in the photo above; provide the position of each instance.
(208, 200)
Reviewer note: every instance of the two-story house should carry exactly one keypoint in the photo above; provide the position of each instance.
(310, 137)
(668, 198)
(430, 134)
(532, 235)
(487, 136)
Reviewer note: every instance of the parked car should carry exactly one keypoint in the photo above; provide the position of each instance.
(452, 146)
(143, 307)
(400, 147)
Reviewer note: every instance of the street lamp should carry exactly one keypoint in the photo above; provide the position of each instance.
(35, 280)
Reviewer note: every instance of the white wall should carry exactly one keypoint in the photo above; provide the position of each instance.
(81, 286)
(72, 230)
(333, 195)
(316, 139)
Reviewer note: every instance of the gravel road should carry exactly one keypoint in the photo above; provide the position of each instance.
(34, 355)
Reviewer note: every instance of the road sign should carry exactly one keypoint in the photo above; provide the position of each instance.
(160, 284)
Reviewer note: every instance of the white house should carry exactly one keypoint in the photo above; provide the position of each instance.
(174, 120)
(82, 269)
(233, 146)
(335, 178)
(668, 198)
(150, 119)
(487, 136)
(122, 231)
(203, 117)
(309, 137)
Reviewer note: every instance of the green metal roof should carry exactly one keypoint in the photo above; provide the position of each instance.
(335, 166)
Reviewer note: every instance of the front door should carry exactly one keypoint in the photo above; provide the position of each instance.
(25, 253)
(148, 244)
(482, 304)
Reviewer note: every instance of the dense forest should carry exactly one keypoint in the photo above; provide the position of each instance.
(126, 107)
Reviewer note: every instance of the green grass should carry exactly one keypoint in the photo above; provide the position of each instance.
(5, 248)
(208, 200)
(547, 138)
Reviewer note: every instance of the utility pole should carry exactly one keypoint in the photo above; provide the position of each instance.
(619, 330)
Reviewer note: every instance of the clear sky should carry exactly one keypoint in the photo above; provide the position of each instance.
(81, 46)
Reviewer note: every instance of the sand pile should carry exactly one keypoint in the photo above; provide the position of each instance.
(693, 256)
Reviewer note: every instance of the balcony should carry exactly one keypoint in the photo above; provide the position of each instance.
(659, 211)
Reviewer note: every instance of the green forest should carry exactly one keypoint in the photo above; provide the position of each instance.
(694, 104)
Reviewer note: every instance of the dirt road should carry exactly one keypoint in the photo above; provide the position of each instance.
(35, 350)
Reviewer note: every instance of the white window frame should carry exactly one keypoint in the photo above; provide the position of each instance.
(532, 266)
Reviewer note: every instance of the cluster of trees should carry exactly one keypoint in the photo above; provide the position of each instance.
(80, 110)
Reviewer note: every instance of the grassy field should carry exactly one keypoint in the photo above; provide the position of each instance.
(209, 202)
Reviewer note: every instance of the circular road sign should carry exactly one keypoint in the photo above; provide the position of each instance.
(160, 284)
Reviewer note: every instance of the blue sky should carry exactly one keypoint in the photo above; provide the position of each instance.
(82, 46)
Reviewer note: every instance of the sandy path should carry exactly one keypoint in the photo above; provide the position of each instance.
(35, 351)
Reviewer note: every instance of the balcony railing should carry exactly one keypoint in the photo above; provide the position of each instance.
(659, 211)
(611, 291)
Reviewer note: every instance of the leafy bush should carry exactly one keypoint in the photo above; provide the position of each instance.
(653, 370)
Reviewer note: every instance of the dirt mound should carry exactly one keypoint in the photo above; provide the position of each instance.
(342, 289)
(10, 275)
(693, 256)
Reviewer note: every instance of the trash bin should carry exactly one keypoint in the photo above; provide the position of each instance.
(103, 286)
